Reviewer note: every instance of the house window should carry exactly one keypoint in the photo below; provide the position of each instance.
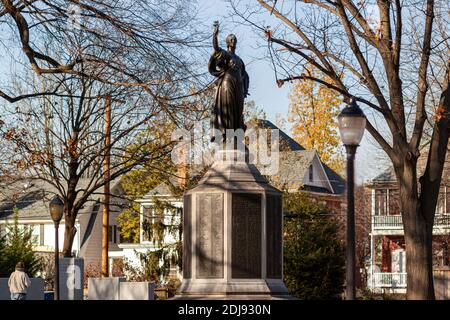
(112, 234)
(35, 233)
(381, 202)
(311, 173)
(393, 202)
(440, 255)
(447, 198)
(445, 254)
(41, 234)
(152, 217)
(442, 201)
(147, 215)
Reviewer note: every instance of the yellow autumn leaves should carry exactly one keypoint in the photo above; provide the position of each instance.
(313, 111)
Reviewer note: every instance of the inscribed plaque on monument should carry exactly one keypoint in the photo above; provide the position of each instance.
(246, 235)
(273, 232)
(210, 235)
(187, 233)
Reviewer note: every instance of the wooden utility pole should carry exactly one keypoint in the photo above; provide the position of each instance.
(105, 225)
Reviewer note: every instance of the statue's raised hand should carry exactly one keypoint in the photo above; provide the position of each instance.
(216, 28)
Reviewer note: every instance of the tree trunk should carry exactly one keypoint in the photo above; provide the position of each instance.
(418, 235)
(419, 253)
(419, 226)
(69, 234)
(70, 210)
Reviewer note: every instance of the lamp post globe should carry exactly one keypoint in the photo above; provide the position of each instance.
(56, 212)
(352, 123)
(56, 209)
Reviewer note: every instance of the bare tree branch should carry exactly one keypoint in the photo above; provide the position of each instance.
(423, 83)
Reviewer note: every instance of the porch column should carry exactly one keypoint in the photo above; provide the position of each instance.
(372, 261)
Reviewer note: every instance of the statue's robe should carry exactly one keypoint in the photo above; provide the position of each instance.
(232, 88)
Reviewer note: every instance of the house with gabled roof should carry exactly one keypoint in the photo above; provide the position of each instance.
(31, 197)
(301, 170)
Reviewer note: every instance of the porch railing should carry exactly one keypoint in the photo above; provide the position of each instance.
(388, 280)
(387, 222)
(395, 222)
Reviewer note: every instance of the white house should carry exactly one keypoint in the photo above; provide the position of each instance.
(150, 211)
(32, 197)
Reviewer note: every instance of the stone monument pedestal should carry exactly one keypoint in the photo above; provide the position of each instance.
(232, 230)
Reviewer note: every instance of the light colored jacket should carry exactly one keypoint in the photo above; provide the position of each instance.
(18, 282)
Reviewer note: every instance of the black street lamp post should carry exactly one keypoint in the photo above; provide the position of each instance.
(352, 123)
(56, 211)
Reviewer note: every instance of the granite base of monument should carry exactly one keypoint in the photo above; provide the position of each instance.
(232, 233)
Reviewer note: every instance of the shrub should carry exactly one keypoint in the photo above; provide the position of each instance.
(314, 261)
(92, 270)
(17, 246)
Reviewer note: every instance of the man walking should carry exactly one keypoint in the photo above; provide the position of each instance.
(19, 282)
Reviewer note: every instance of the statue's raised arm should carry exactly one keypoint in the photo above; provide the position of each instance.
(215, 34)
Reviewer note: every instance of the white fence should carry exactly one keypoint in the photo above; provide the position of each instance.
(388, 280)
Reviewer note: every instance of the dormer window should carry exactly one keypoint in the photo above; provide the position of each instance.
(311, 173)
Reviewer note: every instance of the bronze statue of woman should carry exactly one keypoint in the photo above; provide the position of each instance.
(232, 85)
